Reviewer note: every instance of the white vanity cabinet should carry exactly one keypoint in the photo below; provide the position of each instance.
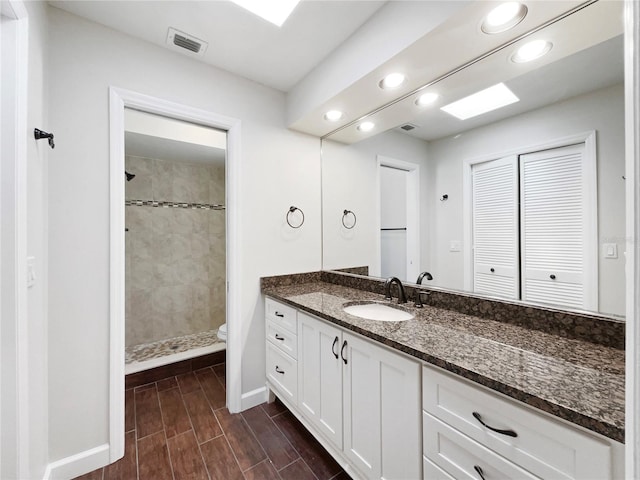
(469, 429)
(361, 398)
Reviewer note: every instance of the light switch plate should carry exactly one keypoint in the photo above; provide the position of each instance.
(610, 250)
(31, 272)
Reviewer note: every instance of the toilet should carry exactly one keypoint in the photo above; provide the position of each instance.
(222, 332)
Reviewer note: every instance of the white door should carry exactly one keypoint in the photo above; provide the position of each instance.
(495, 227)
(558, 228)
(382, 412)
(320, 376)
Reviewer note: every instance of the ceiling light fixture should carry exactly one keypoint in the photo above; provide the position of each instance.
(274, 11)
(531, 51)
(481, 102)
(504, 17)
(393, 80)
(366, 126)
(333, 115)
(426, 99)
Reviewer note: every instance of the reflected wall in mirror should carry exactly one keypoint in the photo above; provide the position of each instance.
(526, 202)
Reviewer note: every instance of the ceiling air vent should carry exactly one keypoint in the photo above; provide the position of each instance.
(407, 127)
(182, 41)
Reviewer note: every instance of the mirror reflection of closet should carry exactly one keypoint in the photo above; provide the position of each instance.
(175, 240)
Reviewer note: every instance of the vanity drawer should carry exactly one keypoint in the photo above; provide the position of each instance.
(282, 338)
(462, 458)
(282, 371)
(281, 314)
(547, 447)
(433, 472)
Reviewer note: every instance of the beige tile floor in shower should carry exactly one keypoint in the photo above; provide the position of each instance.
(162, 348)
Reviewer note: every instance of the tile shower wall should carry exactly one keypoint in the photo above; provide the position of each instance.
(175, 256)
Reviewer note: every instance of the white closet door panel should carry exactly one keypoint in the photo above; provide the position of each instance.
(553, 226)
(495, 227)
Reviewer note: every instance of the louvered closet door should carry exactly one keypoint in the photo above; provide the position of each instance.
(556, 225)
(495, 227)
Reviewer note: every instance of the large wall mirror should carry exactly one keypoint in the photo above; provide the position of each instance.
(525, 202)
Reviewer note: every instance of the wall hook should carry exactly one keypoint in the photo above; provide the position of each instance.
(40, 134)
(292, 209)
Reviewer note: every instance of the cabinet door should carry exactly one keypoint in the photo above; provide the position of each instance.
(382, 414)
(320, 374)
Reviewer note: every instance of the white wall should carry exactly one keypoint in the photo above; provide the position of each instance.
(38, 158)
(349, 177)
(602, 111)
(279, 169)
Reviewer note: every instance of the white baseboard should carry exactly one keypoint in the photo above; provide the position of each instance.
(78, 464)
(253, 398)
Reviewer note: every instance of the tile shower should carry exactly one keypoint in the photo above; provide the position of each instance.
(175, 256)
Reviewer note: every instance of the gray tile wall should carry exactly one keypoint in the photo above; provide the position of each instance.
(175, 257)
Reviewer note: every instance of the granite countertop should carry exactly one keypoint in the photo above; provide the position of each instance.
(578, 381)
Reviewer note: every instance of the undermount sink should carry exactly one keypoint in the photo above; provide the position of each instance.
(377, 311)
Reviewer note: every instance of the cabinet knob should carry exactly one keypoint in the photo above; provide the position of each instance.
(279, 371)
(492, 269)
(552, 276)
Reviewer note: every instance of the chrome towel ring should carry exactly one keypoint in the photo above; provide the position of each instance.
(292, 210)
(344, 216)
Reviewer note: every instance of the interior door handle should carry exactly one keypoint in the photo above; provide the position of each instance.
(279, 371)
(278, 337)
(344, 345)
(333, 347)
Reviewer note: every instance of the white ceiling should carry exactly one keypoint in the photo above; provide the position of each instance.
(239, 41)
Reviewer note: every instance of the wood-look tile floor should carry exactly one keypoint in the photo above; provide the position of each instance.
(179, 428)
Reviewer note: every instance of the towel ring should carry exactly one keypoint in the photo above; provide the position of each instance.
(292, 209)
(344, 215)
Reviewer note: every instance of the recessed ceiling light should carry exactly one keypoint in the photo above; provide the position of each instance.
(333, 115)
(426, 99)
(531, 51)
(505, 16)
(481, 102)
(366, 126)
(393, 80)
(274, 11)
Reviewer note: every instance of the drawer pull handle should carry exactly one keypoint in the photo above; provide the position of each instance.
(508, 433)
(333, 347)
(278, 314)
(552, 276)
(278, 337)
(480, 472)
(344, 345)
(279, 371)
(493, 269)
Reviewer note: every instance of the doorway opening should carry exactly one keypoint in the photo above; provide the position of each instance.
(399, 242)
(175, 240)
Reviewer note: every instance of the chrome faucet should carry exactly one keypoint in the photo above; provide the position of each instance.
(402, 297)
(418, 292)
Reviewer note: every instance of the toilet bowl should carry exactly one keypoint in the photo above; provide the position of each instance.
(222, 332)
